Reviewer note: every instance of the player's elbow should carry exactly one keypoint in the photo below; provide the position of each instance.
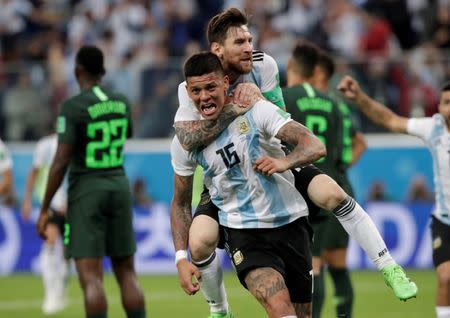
(321, 150)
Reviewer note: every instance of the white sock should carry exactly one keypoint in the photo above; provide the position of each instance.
(49, 267)
(212, 285)
(361, 228)
(443, 311)
(54, 271)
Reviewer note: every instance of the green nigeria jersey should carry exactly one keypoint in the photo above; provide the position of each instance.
(348, 132)
(96, 122)
(322, 116)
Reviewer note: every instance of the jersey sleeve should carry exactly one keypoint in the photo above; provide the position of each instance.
(269, 118)
(39, 154)
(5, 158)
(186, 108)
(182, 164)
(66, 125)
(420, 127)
(270, 82)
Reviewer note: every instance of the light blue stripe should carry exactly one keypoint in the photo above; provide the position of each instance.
(271, 190)
(238, 181)
(440, 198)
(256, 77)
(207, 173)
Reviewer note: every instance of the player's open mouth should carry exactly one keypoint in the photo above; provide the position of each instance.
(209, 109)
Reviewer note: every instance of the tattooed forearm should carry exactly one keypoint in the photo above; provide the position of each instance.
(180, 211)
(264, 283)
(308, 148)
(194, 134)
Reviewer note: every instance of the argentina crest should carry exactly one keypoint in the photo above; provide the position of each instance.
(243, 125)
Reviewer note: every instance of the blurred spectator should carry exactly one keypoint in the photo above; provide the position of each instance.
(141, 198)
(396, 12)
(377, 192)
(25, 110)
(418, 190)
(344, 27)
(440, 32)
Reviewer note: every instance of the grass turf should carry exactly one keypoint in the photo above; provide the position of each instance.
(20, 296)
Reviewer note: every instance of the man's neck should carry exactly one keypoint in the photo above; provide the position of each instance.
(233, 76)
(295, 79)
(88, 84)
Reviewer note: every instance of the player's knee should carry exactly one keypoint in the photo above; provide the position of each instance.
(202, 245)
(52, 233)
(335, 196)
(443, 278)
(279, 305)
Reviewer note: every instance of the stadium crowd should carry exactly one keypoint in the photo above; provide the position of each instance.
(396, 49)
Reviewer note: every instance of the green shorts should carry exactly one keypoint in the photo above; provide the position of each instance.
(100, 224)
(328, 234)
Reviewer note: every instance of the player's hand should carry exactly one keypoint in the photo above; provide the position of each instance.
(41, 224)
(26, 210)
(246, 95)
(349, 88)
(268, 165)
(189, 277)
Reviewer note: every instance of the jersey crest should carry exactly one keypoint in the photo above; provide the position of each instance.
(243, 125)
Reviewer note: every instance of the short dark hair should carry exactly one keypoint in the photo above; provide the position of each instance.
(219, 25)
(445, 87)
(90, 58)
(305, 56)
(202, 63)
(325, 61)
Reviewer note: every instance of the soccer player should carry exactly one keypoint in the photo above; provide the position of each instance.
(6, 176)
(54, 267)
(325, 118)
(92, 128)
(230, 39)
(335, 245)
(435, 131)
(249, 179)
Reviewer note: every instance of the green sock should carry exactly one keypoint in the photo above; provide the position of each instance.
(136, 313)
(343, 291)
(318, 295)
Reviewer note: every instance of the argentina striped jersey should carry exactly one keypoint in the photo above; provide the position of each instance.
(245, 198)
(437, 138)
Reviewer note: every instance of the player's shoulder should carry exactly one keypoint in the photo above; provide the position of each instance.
(263, 60)
(182, 89)
(437, 119)
(262, 107)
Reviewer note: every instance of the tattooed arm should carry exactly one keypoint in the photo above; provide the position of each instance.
(180, 221)
(197, 133)
(181, 211)
(308, 148)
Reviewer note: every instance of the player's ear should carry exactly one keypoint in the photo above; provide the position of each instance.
(216, 48)
(226, 82)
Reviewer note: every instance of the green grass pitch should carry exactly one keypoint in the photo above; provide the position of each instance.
(20, 296)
